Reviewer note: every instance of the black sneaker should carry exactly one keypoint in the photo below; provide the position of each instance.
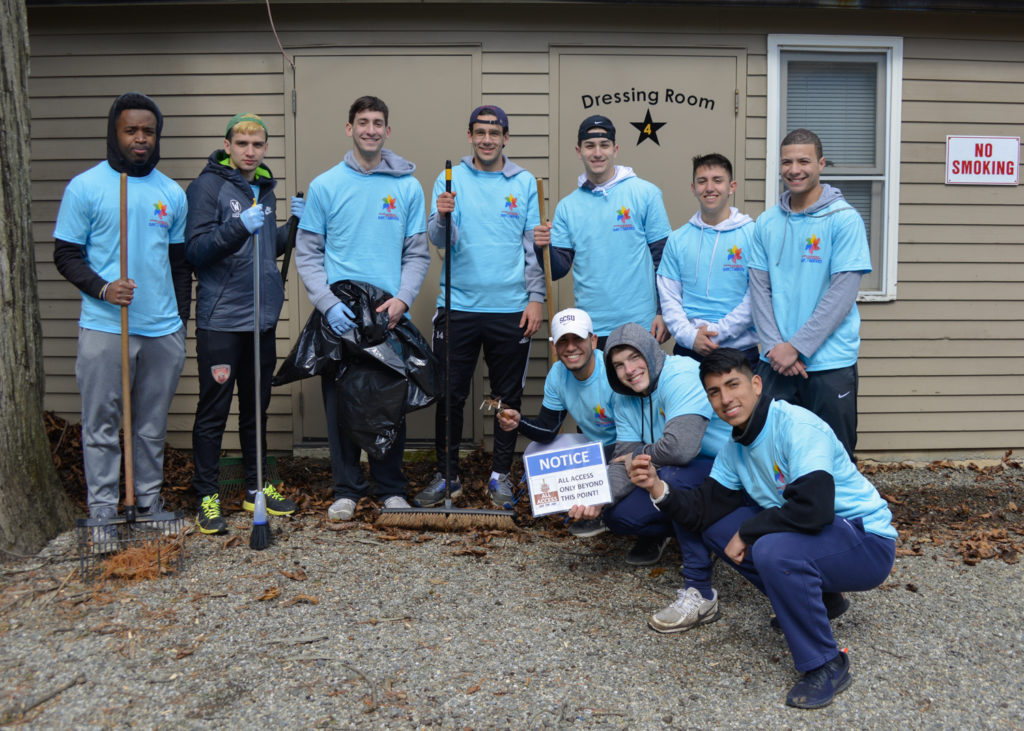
(820, 686)
(433, 494)
(647, 551)
(277, 504)
(588, 528)
(209, 518)
(835, 604)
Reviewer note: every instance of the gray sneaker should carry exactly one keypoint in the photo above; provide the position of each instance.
(105, 537)
(433, 494)
(342, 509)
(395, 502)
(688, 610)
(502, 491)
(588, 528)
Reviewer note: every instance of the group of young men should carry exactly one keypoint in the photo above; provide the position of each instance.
(698, 449)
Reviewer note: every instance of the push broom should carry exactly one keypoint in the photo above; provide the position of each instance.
(147, 531)
(447, 517)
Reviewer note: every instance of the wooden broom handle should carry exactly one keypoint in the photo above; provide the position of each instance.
(549, 285)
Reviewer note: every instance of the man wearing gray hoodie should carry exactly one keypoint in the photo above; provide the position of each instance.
(808, 256)
(702, 278)
(364, 220)
(660, 410)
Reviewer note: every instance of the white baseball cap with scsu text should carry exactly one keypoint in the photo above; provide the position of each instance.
(571, 320)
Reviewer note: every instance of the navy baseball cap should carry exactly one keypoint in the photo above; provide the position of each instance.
(596, 121)
(489, 110)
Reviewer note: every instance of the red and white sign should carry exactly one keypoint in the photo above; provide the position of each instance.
(982, 160)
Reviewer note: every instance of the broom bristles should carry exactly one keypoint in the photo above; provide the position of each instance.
(445, 521)
(260, 538)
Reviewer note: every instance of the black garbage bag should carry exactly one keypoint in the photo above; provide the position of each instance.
(381, 374)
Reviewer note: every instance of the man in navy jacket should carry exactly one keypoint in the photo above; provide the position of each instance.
(232, 209)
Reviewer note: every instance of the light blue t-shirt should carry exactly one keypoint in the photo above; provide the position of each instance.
(801, 252)
(587, 401)
(613, 272)
(679, 392)
(793, 443)
(90, 215)
(488, 260)
(711, 265)
(364, 220)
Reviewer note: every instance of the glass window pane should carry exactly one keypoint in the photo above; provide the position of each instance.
(838, 101)
(866, 196)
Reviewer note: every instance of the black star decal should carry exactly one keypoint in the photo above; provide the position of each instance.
(648, 129)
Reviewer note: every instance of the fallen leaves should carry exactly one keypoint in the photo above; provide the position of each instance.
(270, 593)
(300, 599)
(296, 575)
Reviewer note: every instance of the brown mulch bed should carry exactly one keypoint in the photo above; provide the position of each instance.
(977, 512)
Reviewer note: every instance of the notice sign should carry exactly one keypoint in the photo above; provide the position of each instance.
(982, 160)
(561, 478)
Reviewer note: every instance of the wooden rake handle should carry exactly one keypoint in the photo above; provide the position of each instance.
(126, 381)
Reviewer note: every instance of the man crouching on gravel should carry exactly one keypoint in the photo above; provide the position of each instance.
(817, 526)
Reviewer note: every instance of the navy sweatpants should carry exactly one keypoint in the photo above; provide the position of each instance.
(636, 515)
(794, 569)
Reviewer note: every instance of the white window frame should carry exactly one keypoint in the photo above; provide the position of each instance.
(892, 48)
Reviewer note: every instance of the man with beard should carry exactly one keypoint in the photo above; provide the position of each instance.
(157, 292)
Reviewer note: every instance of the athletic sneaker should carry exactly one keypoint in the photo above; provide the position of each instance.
(819, 686)
(277, 504)
(433, 494)
(588, 528)
(104, 537)
(502, 491)
(647, 551)
(395, 502)
(342, 509)
(688, 610)
(209, 518)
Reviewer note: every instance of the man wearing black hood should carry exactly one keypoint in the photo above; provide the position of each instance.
(157, 291)
(231, 208)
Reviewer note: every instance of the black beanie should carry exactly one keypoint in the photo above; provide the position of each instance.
(132, 100)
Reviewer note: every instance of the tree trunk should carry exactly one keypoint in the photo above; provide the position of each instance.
(33, 504)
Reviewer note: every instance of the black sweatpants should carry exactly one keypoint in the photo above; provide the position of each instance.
(224, 359)
(506, 353)
(830, 394)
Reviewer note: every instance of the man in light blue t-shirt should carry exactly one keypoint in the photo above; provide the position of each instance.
(575, 386)
(702, 278)
(496, 297)
(790, 512)
(364, 221)
(157, 292)
(809, 254)
(610, 233)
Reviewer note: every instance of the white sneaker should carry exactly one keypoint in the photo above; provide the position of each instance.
(342, 509)
(396, 501)
(688, 610)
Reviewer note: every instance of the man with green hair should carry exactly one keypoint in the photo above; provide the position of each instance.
(231, 212)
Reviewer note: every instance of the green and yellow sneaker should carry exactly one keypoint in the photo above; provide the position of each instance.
(277, 504)
(209, 518)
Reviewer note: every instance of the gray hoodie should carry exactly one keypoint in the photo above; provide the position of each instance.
(682, 437)
(309, 247)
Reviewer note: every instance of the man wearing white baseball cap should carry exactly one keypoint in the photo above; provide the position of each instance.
(576, 385)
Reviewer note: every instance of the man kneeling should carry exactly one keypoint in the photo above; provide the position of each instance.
(790, 511)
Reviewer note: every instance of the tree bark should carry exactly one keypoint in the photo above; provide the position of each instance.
(33, 505)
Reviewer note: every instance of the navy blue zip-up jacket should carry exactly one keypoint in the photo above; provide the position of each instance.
(220, 249)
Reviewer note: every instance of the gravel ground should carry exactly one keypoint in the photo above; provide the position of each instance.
(489, 630)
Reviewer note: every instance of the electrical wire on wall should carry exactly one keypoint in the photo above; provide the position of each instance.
(270, 17)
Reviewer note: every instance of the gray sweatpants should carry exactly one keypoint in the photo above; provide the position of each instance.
(155, 365)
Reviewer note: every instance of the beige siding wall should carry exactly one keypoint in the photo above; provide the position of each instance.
(941, 367)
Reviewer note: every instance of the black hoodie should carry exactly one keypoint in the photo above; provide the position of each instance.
(70, 258)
